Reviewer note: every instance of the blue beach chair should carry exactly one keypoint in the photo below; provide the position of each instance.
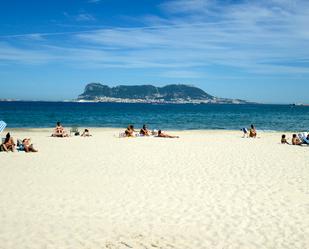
(2, 126)
(303, 138)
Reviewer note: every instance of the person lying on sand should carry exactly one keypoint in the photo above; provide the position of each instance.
(8, 144)
(130, 131)
(28, 146)
(86, 133)
(252, 132)
(59, 131)
(161, 134)
(283, 139)
(295, 140)
(144, 131)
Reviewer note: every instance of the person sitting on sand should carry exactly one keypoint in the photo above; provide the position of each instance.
(144, 131)
(252, 131)
(161, 134)
(283, 139)
(8, 144)
(86, 133)
(295, 140)
(59, 131)
(28, 146)
(130, 131)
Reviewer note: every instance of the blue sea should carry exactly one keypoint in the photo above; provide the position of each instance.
(161, 116)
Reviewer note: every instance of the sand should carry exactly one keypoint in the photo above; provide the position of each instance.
(208, 189)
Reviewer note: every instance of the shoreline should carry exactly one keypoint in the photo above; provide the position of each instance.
(115, 129)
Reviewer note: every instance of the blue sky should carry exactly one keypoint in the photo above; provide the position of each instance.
(253, 50)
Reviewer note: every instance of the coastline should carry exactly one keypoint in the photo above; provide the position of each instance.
(158, 103)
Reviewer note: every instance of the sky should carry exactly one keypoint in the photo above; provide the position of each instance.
(257, 50)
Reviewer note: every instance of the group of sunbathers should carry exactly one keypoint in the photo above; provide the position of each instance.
(59, 131)
(8, 143)
(22, 145)
(144, 131)
(300, 139)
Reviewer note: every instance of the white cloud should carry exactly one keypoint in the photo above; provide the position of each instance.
(36, 37)
(260, 37)
(10, 53)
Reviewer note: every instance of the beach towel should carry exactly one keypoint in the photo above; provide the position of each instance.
(2, 126)
(122, 134)
(20, 146)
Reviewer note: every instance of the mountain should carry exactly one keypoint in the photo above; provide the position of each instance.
(150, 94)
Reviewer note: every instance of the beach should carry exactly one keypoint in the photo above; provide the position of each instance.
(207, 189)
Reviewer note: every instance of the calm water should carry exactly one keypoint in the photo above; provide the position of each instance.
(45, 114)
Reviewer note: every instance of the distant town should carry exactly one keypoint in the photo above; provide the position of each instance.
(169, 94)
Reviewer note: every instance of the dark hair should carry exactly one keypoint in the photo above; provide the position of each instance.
(7, 137)
(252, 126)
(144, 126)
(58, 123)
(131, 126)
(159, 132)
(294, 135)
(86, 130)
(283, 136)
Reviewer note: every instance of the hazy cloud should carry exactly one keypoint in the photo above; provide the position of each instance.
(85, 17)
(187, 6)
(182, 74)
(80, 17)
(94, 1)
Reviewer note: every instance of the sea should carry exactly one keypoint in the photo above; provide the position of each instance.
(156, 116)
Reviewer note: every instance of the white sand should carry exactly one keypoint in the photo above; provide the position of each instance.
(208, 189)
